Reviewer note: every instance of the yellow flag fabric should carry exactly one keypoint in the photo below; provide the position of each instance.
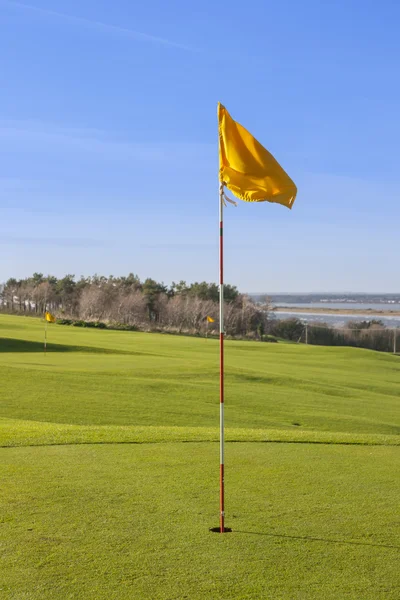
(247, 168)
(49, 317)
(210, 320)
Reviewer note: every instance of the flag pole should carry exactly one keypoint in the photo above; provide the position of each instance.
(221, 358)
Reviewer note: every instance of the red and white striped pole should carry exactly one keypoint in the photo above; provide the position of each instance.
(221, 357)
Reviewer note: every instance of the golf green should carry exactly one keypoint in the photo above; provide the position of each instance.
(109, 468)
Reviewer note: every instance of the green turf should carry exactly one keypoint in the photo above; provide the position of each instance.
(101, 497)
(125, 378)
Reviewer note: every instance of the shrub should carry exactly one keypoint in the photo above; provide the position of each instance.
(269, 338)
(288, 329)
(78, 323)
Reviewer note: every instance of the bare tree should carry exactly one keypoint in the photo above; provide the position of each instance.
(132, 308)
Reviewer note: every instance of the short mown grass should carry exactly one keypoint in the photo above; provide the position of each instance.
(109, 468)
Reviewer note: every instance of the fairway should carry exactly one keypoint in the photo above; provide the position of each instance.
(109, 467)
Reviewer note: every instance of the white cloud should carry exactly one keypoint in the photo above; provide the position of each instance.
(99, 26)
(32, 137)
(52, 241)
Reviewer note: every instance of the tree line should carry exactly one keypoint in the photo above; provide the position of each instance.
(127, 302)
(144, 305)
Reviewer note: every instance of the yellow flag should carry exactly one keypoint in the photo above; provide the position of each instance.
(247, 168)
(210, 320)
(49, 317)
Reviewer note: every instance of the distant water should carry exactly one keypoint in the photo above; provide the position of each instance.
(342, 305)
(339, 320)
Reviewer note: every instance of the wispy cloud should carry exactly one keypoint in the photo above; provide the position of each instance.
(179, 247)
(35, 137)
(191, 246)
(100, 26)
(11, 184)
(48, 241)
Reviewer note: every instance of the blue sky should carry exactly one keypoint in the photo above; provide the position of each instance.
(108, 139)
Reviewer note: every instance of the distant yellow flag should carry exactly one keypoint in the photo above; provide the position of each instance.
(247, 168)
(210, 320)
(49, 317)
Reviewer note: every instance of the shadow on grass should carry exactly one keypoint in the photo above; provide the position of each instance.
(307, 538)
(15, 345)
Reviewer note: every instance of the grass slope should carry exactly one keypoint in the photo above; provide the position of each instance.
(137, 379)
(101, 498)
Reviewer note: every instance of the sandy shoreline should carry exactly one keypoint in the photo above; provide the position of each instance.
(340, 311)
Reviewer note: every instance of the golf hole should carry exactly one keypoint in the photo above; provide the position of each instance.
(218, 530)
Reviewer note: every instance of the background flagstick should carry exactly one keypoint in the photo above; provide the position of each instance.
(221, 357)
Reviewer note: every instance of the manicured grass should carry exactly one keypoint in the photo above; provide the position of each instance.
(109, 468)
(125, 378)
(132, 522)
